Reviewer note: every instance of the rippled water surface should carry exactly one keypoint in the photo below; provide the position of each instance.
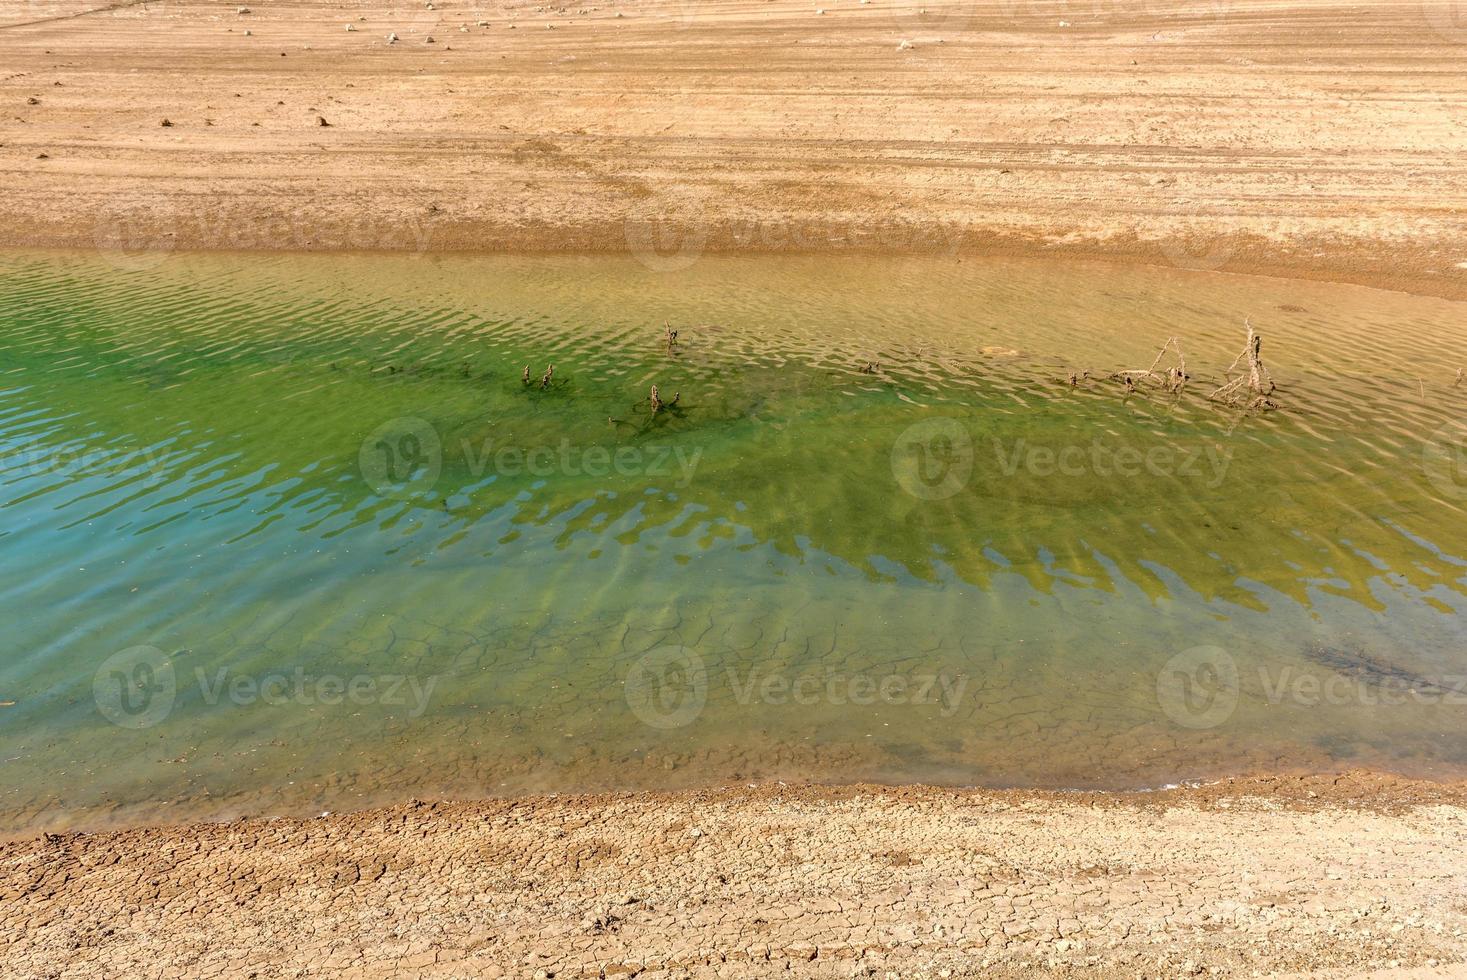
(292, 533)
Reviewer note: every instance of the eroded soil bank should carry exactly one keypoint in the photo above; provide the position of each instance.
(1308, 138)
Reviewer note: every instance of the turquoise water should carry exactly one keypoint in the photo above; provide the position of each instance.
(284, 534)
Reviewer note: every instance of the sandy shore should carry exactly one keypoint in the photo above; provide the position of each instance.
(1312, 138)
(1340, 874)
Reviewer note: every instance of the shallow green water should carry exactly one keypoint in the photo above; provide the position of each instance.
(285, 534)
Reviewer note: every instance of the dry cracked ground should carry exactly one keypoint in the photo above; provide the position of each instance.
(1341, 875)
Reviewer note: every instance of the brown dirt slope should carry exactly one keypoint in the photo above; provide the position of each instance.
(1312, 137)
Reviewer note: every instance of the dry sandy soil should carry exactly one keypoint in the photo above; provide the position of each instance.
(1337, 874)
(1312, 138)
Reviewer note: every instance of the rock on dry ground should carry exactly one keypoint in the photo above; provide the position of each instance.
(1341, 874)
(1323, 138)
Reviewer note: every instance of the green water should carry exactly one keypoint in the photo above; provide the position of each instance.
(284, 534)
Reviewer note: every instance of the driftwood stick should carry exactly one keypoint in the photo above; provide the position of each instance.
(1258, 380)
(1172, 380)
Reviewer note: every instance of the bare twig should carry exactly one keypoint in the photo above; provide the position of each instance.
(1172, 379)
(1258, 383)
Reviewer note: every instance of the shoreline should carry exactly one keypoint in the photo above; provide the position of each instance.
(1253, 258)
(1342, 873)
(1365, 788)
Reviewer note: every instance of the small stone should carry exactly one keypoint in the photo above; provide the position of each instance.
(351, 27)
(321, 121)
(166, 123)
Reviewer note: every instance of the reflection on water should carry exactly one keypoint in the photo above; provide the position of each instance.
(283, 533)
